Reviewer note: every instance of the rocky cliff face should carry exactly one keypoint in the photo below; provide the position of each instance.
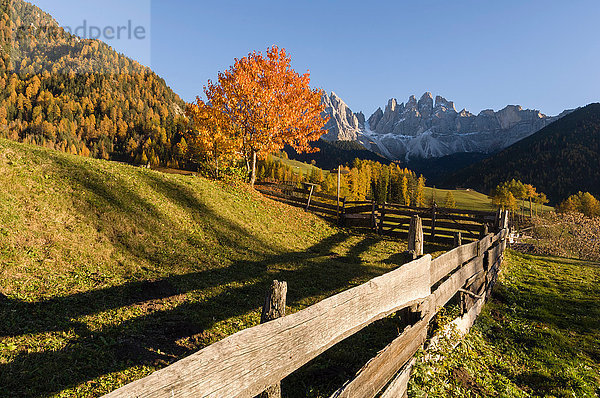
(343, 125)
(426, 128)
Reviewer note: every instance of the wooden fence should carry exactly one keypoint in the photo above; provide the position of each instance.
(255, 359)
(440, 224)
(323, 204)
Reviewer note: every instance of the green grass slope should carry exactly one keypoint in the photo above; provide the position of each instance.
(109, 272)
(465, 199)
(470, 199)
(539, 336)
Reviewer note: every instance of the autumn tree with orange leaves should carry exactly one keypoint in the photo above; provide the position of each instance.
(260, 104)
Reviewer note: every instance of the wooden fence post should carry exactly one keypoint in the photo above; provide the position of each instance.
(274, 308)
(457, 238)
(498, 221)
(433, 211)
(373, 215)
(415, 236)
(504, 220)
(312, 187)
(484, 231)
(381, 217)
(342, 212)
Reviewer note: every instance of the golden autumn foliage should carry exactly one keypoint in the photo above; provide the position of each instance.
(268, 104)
(212, 138)
(79, 95)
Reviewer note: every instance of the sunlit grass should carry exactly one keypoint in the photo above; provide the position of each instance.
(539, 336)
(109, 272)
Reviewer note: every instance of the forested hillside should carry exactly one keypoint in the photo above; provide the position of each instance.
(80, 96)
(560, 160)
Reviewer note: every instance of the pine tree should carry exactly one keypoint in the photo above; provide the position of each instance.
(405, 193)
(420, 192)
(449, 202)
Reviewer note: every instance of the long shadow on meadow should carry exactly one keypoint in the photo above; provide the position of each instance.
(153, 339)
(181, 312)
(200, 302)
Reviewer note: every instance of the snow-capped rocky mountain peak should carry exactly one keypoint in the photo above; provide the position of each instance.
(426, 128)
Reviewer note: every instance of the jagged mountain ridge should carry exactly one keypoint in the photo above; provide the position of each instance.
(424, 128)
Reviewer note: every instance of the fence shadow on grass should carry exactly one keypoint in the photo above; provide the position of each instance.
(152, 339)
(174, 315)
(179, 311)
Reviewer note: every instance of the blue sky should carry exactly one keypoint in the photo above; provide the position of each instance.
(480, 54)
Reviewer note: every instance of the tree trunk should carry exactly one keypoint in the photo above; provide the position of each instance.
(530, 209)
(253, 174)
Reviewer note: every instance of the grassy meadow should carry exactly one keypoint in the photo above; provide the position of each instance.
(109, 272)
(538, 336)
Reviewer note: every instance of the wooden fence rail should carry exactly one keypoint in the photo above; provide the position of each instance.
(252, 360)
(440, 224)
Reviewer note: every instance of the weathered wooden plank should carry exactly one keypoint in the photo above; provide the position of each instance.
(450, 286)
(376, 374)
(246, 363)
(359, 209)
(494, 253)
(449, 261)
(399, 220)
(279, 195)
(408, 212)
(359, 202)
(486, 242)
(358, 220)
(316, 194)
(319, 209)
(439, 223)
(426, 215)
(445, 210)
(455, 225)
(502, 234)
(448, 235)
(482, 213)
(399, 386)
(403, 234)
(315, 203)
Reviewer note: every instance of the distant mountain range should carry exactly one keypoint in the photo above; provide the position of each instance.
(426, 129)
(560, 159)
